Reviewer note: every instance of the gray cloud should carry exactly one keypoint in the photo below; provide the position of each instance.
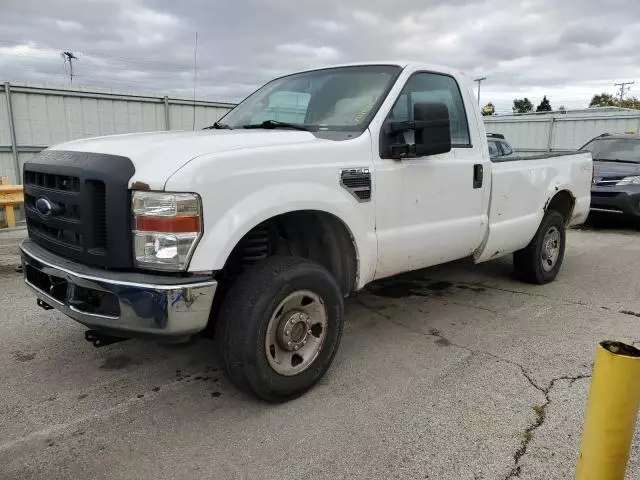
(589, 35)
(566, 50)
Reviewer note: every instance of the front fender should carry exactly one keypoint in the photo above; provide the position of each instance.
(228, 228)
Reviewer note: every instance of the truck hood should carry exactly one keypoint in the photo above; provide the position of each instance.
(157, 155)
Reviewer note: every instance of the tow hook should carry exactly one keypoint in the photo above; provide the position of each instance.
(44, 305)
(101, 339)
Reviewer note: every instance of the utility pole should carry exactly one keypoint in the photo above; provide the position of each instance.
(479, 81)
(623, 90)
(69, 57)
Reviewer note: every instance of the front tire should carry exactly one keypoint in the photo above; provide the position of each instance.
(540, 261)
(280, 327)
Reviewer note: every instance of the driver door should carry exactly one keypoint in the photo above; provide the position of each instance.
(431, 209)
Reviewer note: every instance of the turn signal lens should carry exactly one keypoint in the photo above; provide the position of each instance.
(168, 224)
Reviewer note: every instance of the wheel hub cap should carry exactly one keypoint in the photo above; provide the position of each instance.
(550, 249)
(293, 330)
(296, 333)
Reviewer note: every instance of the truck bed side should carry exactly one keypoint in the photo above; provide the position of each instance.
(522, 189)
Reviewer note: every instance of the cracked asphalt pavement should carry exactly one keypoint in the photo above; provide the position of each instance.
(455, 372)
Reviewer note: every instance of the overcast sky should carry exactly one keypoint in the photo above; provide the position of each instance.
(567, 49)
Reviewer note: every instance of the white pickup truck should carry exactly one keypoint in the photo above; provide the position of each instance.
(258, 227)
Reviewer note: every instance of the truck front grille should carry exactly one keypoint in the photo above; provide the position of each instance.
(50, 180)
(77, 206)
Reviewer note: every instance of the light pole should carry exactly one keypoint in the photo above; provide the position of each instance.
(479, 81)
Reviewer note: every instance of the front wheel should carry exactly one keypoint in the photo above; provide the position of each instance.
(280, 327)
(540, 261)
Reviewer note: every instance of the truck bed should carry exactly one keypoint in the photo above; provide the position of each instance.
(521, 188)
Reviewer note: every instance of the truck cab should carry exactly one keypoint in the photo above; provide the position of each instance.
(255, 230)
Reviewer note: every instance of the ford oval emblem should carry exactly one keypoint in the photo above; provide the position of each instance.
(44, 207)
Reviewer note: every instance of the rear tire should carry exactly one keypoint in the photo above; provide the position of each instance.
(540, 261)
(279, 327)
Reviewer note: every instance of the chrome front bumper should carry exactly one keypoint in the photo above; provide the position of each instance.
(124, 304)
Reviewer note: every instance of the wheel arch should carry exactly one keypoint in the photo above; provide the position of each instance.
(313, 234)
(563, 202)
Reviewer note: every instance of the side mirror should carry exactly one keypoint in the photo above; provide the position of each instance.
(432, 132)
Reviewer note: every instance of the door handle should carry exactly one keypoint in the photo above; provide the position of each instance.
(478, 173)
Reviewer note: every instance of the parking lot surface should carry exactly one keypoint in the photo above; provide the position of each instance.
(456, 372)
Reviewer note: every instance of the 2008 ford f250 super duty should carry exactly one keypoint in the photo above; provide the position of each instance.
(257, 228)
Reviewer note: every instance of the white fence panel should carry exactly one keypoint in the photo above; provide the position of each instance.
(47, 116)
(557, 131)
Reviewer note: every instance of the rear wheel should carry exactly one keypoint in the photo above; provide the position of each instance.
(540, 261)
(280, 327)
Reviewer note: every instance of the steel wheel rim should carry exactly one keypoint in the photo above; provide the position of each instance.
(296, 333)
(550, 249)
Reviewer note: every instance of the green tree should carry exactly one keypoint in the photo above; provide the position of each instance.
(522, 105)
(603, 100)
(632, 102)
(488, 109)
(545, 105)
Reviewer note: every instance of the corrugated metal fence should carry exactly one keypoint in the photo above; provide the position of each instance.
(562, 131)
(33, 118)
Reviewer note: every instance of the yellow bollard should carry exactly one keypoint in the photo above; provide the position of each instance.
(10, 195)
(614, 398)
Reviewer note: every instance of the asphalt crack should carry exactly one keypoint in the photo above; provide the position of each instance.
(441, 340)
(529, 294)
(540, 412)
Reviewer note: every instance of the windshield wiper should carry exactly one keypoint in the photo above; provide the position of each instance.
(277, 124)
(218, 126)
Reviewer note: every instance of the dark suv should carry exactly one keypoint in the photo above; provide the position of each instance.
(616, 182)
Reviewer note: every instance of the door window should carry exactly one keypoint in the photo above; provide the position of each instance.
(433, 87)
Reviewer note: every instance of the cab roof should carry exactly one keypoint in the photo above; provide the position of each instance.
(399, 63)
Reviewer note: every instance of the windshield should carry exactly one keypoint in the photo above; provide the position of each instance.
(623, 149)
(343, 98)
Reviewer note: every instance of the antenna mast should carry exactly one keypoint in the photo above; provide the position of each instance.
(69, 57)
(195, 74)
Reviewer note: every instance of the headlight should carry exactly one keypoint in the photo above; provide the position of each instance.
(167, 227)
(629, 181)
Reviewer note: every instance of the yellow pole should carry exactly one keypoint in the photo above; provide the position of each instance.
(612, 409)
(9, 216)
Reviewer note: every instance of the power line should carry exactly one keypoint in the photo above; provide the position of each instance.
(51, 60)
(20, 55)
(99, 55)
(105, 81)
